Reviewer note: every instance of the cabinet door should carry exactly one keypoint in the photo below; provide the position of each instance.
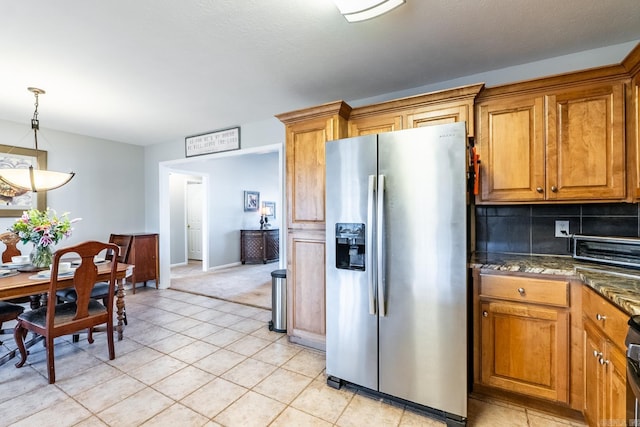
(594, 378)
(585, 143)
(525, 349)
(305, 173)
(511, 143)
(442, 115)
(374, 124)
(306, 288)
(616, 399)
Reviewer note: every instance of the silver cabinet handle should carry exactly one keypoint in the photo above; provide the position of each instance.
(597, 354)
(371, 271)
(600, 317)
(521, 291)
(485, 314)
(539, 189)
(603, 361)
(554, 188)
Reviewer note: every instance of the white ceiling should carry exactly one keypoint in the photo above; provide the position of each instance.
(154, 71)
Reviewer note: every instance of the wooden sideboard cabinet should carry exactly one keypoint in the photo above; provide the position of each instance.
(144, 255)
(259, 246)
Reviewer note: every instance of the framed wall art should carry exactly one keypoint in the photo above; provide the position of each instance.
(212, 142)
(251, 201)
(13, 201)
(269, 209)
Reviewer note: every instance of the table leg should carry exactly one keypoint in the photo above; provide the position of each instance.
(120, 307)
(34, 301)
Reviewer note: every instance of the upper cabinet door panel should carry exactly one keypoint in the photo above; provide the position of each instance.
(443, 115)
(585, 143)
(375, 124)
(511, 150)
(306, 174)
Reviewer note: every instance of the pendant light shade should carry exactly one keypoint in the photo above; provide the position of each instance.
(361, 10)
(33, 178)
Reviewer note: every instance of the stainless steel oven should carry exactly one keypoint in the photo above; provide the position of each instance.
(633, 369)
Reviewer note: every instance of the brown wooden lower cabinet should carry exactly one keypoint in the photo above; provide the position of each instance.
(523, 343)
(605, 365)
(144, 256)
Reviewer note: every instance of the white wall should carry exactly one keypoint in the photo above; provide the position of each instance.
(107, 191)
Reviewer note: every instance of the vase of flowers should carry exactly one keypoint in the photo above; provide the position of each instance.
(44, 229)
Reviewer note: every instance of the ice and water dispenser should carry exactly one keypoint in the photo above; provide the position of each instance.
(350, 248)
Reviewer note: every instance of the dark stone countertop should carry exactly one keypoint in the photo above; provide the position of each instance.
(619, 285)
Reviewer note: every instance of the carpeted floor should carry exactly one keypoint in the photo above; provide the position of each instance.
(248, 284)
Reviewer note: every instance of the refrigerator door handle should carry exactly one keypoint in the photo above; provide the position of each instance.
(380, 247)
(370, 265)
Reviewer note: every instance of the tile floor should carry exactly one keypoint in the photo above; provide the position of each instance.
(190, 360)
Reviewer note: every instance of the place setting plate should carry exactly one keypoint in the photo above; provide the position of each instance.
(46, 274)
(7, 272)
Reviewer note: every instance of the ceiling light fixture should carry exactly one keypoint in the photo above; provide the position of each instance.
(361, 10)
(34, 179)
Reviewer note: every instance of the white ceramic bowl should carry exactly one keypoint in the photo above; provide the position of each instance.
(20, 259)
(63, 267)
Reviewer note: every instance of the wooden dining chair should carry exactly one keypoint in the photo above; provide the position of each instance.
(8, 310)
(101, 289)
(55, 319)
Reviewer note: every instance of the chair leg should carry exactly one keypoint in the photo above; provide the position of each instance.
(51, 369)
(90, 335)
(75, 338)
(18, 335)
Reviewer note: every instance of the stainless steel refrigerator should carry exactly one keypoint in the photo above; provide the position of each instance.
(396, 274)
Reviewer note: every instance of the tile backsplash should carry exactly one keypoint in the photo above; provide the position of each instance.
(530, 229)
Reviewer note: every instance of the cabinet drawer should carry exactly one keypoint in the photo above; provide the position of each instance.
(525, 289)
(610, 319)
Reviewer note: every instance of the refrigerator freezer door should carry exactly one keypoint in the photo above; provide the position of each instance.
(423, 336)
(351, 339)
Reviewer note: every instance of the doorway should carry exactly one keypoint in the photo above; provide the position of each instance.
(198, 167)
(194, 220)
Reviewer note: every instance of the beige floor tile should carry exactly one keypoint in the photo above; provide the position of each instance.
(277, 354)
(248, 373)
(193, 352)
(266, 334)
(135, 409)
(248, 325)
(306, 362)
(172, 343)
(207, 315)
(248, 345)
(212, 398)
(293, 417)
(177, 415)
(109, 393)
(183, 382)
(413, 419)
(263, 316)
(219, 362)
(182, 324)
(156, 370)
(92, 421)
(85, 380)
(363, 410)
(224, 337)
(152, 335)
(226, 320)
(539, 419)
(249, 311)
(484, 414)
(23, 380)
(65, 413)
(252, 409)
(13, 410)
(202, 330)
(322, 401)
(132, 360)
(283, 385)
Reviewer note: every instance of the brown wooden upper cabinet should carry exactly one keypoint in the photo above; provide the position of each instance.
(563, 145)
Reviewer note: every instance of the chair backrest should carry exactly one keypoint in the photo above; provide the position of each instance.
(124, 243)
(10, 240)
(84, 278)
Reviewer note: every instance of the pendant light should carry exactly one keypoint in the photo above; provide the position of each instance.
(35, 179)
(361, 10)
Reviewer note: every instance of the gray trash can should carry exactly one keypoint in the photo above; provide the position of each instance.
(278, 322)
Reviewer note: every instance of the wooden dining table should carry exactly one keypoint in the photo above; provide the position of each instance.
(26, 284)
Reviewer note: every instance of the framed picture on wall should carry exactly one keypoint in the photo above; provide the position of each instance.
(269, 210)
(251, 201)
